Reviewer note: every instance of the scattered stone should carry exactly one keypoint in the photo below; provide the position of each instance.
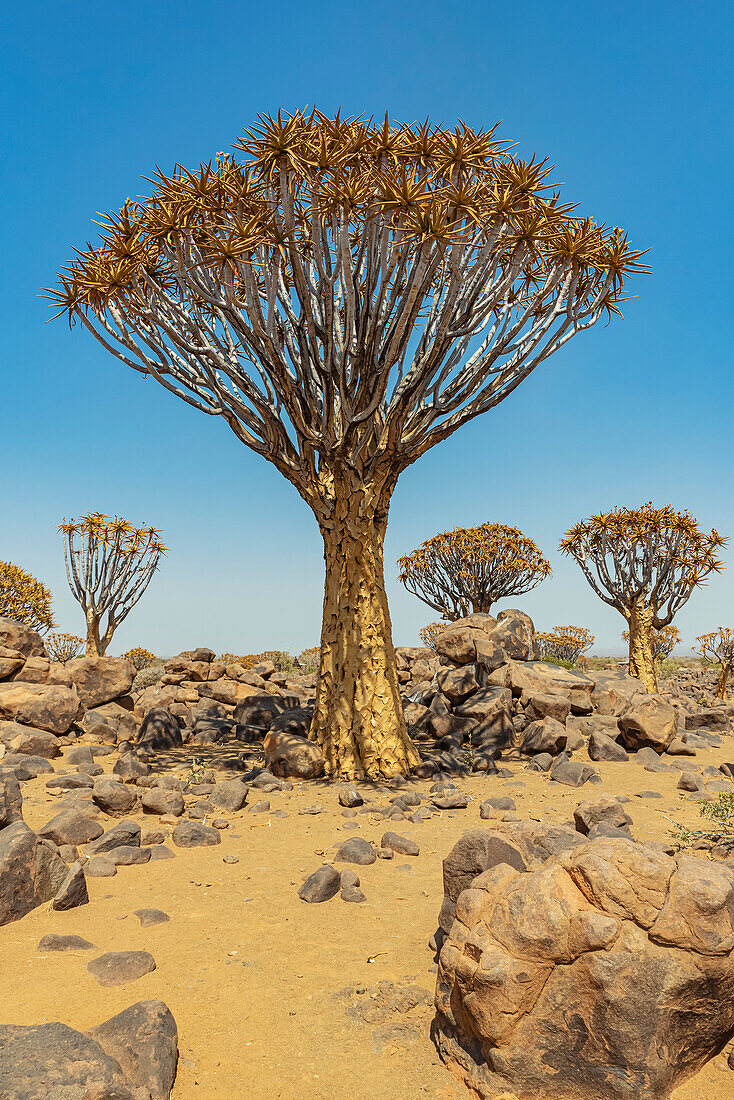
(352, 893)
(191, 834)
(100, 867)
(648, 722)
(160, 851)
(158, 800)
(230, 859)
(128, 855)
(572, 773)
(143, 1040)
(71, 827)
(315, 809)
(229, 795)
(112, 797)
(126, 833)
(689, 781)
(121, 967)
(73, 782)
(73, 890)
(348, 878)
(155, 836)
(602, 811)
(450, 800)
(603, 747)
(356, 850)
(260, 807)
(350, 798)
(322, 885)
(492, 806)
(54, 942)
(400, 844)
(149, 917)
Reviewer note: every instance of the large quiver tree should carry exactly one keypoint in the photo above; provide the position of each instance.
(465, 571)
(109, 565)
(645, 562)
(344, 299)
(23, 598)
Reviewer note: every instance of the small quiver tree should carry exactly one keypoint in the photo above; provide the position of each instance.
(23, 598)
(344, 297)
(645, 562)
(467, 570)
(109, 565)
(663, 642)
(139, 658)
(429, 634)
(63, 647)
(718, 648)
(565, 643)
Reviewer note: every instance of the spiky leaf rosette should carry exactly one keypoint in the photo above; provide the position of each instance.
(23, 598)
(63, 647)
(717, 647)
(654, 557)
(468, 569)
(347, 288)
(565, 643)
(663, 641)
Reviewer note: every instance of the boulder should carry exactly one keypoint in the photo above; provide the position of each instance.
(45, 1061)
(21, 638)
(604, 810)
(73, 890)
(99, 680)
(708, 718)
(546, 735)
(320, 886)
(614, 691)
(112, 797)
(572, 773)
(457, 641)
(192, 834)
(143, 1040)
(229, 795)
(126, 834)
(287, 754)
(130, 766)
(577, 980)
(10, 661)
(112, 716)
(158, 800)
(603, 747)
(26, 767)
(548, 705)
(30, 873)
(71, 827)
(457, 683)
(29, 741)
(260, 710)
(45, 706)
(541, 677)
(120, 967)
(160, 730)
(11, 800)
(356, 850)
(648, 722)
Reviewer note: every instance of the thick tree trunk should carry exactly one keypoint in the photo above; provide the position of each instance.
(93, 643)
(358, 719)
(723, 680)
(641, 663)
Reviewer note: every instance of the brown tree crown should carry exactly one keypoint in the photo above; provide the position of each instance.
(468, 569)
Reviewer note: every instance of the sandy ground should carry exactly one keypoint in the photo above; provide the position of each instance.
(256, 978)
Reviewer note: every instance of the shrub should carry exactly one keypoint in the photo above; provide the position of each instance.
(63, 647)
(140, 658)
(565, 644)
(428, 634)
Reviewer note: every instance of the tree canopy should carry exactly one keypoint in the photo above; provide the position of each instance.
(564, 643)
(468, 569)
(23, 598)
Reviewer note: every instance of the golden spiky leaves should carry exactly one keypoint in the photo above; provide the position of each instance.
(469, 568)
(565, 643)
(717, 647)
(63, 647)
(427, 186)
(428, 634)
(116, 535)
(139, 657)
(23, 598)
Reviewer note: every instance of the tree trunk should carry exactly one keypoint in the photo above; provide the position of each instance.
(358, 718)
(641, 663)
(94, 646)
(723, 680)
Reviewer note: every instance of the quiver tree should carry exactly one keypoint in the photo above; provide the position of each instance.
(662, 642)
(467, 570)
(139, 657)
(428, 634)
(565, 643)
(344, 297)
(63, 647)
(718, 648)
(645, 562)
(109, 565)
(23, 598)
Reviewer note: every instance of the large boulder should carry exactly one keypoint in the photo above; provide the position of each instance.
(112, 721)
(648, 722)
(30, 873)
(101, 679)
(543, 678)
(46, 706)
(545, 735)
(29, 741)
(133, 1056)
(10, 661)
(160, 730)
(579, 980)
(288, 755)
(614, 691)
(11, 800)
(487, 641)
(21, 638)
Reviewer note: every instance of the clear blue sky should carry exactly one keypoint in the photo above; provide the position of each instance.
(631, 101)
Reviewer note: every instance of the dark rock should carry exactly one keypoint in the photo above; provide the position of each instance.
(400, 844)
(73, 782)
(450, 800)
(689, 781)
(603, 810)
(71, 827)
(149, 917)
(112, 797)
(144, 1041)
(350, 797)
(126, 833)
(11, 800)
(191, 834)
(648, 722)
(54, 942)
(543, 762)
(50, 1061)
(356, 850)
(570, 772)
(100, 867)
(121, 967)
(160, 730)
(128, 855)
(353, 894)
(603, 747)
(492, 806)
(30, 872)
(322, 885)
(73, 890)
(229, 795)
(130, 766)
(158, 800)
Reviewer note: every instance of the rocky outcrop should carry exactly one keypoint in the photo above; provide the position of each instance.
(46, 706)
(578, 980)
(30, 872)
